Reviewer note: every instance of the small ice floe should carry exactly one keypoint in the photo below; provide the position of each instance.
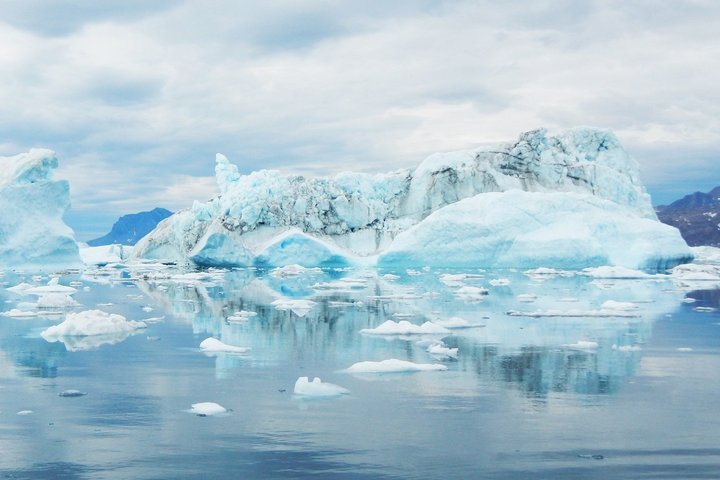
(542, 273)
(53, 286)
(299, 307)
(615, 272)
(441, 351)
(456, 279)
(207, 409)
(622, 306)
(526, 297)
(403, 327)
(704, 309)
(293, 271)
(582, 345)
(72, 393)
(147, 309)
(456, 323)
(317, 388)
(150, 320)
(471, 294)
(393, 365)
(57, 301)
(689, 300)
(390, 276)
(500, 282)
(602, 313)
(413, 273)
(25, 412)
(20, 288)
(627, 348)
(684, 349)
(695, 272)
(213, 345)
(92, 322)
(19, 313)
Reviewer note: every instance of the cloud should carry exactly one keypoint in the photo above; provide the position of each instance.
(150, 93)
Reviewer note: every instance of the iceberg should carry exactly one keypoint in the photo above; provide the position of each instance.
(213, 345)
(518, 229)
(430, 215)
(33, 235)
(317, 388)
(91, 322)
(206, 409)
(403, 327)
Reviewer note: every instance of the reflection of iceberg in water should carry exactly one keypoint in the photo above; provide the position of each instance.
(90, 342)
(535, 355)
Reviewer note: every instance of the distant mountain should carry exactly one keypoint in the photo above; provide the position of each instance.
(131, 228)
(697, 216)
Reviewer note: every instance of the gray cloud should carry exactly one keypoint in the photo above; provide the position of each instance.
(143, 96)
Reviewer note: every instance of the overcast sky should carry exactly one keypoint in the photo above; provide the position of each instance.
(136, 97)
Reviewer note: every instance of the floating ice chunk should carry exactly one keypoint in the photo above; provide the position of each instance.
(91, 322)
(573, 313)
(684, 349)
(403, 327)
(689, 300)
(19, 313)
(500, 282)
(613, 305)
(582, 345)
(52, 287)
(317, 388)
(25, 412)
(213, 345)
(456, 323)
(607, 271)
(71, 393)
(56, 301)
(293, 270)
(207, 409)
(526, 297)
(105, 254)
(453, 279)
(393, 365)
(704, 309)
(147, 309)
(542, 272)
(20, 288)
(299, 307)
(390, 276)
(440, 351)
(627, 348)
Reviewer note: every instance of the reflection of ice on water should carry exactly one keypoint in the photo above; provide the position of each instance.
(535, 354)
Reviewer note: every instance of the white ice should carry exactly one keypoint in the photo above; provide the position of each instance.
(213, 345)
(91, 322)
(393, 365)
(317, 388)
(207, 409)
(403, 327)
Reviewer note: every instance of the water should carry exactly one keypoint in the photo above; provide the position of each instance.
(520, 401)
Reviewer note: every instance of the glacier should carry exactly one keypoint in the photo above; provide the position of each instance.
(268, 219)
(32, 232)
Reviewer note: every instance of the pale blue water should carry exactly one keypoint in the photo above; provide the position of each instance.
(518, 403)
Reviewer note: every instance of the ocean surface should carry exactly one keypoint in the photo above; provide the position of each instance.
(550, 381)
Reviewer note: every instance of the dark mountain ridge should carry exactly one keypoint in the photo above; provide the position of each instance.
(697, 216)
(128, 229)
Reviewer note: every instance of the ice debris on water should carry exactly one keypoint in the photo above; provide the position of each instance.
(213, 345)
(207, 409)
(403, 327)
(393, 365)
(91, 322)
(317, 388)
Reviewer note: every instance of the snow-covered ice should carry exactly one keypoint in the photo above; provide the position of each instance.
(213, 345)
(91, 322)
(207, 409)
(32, 230)
(105, 254)
(317, 388)
(403, 327)
(393, 365)
(297, 306)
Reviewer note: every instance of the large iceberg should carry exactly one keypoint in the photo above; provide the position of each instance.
(32, 232)
(268, 219)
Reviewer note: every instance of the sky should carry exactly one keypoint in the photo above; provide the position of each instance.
(137, 97)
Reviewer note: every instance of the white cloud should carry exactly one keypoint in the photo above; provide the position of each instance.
(318, 87)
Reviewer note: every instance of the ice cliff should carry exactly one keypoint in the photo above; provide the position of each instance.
(265, 218)
(32, 232)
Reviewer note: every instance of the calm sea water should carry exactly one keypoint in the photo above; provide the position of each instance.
(524, 399)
